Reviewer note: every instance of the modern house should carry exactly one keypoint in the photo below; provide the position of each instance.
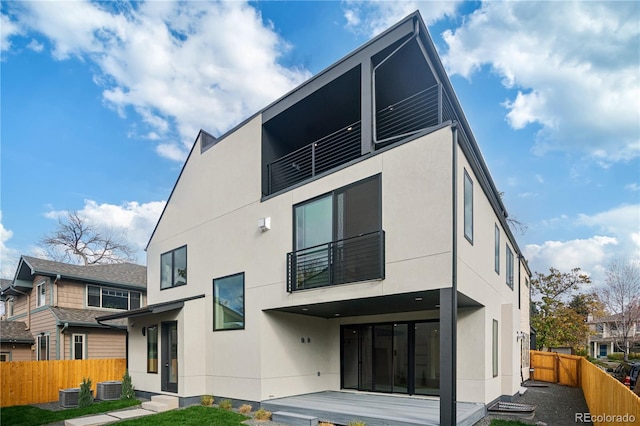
(606, 335)
(56, 304)
(348, 237)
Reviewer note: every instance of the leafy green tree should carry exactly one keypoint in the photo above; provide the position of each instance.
(556, 322)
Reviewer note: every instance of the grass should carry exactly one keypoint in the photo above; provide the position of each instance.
(500, 422)
(191, 416)
(28, 415)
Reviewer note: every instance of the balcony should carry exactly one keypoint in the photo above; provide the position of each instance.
(359, 258)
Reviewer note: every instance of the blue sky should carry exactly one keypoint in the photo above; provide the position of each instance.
(100, 103)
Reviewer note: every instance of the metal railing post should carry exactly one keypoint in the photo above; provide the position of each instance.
(313, 159)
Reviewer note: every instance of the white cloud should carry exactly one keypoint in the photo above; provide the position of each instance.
(618, 235)
(179, 66)
(35, 45)
(632, 187)
(8, 29)
(8, 257)
(373, 17)
(574, 65)
(133, 220)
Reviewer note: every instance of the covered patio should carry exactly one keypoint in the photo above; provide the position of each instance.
(374, 409)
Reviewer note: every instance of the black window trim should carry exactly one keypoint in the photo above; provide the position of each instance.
(186, 261)
(244, 302)
(496, 255)
(464, 210)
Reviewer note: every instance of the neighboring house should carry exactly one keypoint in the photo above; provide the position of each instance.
(319, 246)
(58, 304)
(15, 341)
(605, 338)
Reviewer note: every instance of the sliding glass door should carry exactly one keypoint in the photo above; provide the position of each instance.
(400, 357)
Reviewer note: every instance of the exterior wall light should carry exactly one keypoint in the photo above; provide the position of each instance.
(264, 224)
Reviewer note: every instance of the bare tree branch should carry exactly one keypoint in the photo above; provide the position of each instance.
(76, 241)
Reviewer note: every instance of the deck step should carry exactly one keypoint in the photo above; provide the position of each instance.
(157, 407)
(294, 419)
(170, 401)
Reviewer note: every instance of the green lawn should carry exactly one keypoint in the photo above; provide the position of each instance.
(499, 422)
(27, 415)
(195, 415)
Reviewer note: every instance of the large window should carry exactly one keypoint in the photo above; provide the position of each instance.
(112, 298)
(509, 267)
(228, 302)
(494, 348)
(152, 349)
(496, 260)
(41, 294)
(42, 342)
(337, 237)
(79, 346)
(468, 207)
(173, 268)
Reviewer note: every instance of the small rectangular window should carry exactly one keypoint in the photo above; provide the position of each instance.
(173, 268)
(468, 207)
(78, 348)
(509, 267)
(495, 348)
(496, 261)
(41, 290)
(152, 349)
(43, 347)
(5, 356)
(134, 299)
(93, 296)
(228, 302)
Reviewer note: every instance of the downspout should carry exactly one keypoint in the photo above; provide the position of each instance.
(54, 297)
(520, 316)
(60, 342)
(448, 358)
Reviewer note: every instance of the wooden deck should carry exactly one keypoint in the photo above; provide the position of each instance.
(374, 409)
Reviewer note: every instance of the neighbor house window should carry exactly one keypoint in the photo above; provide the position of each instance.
(78, 348)
(41, 294)
(496, 249)
(495, 348)
(173, 268)
(228, 302)
(468, 207)
(5, 356)
(42, 342)
(112, 298)
(152, 349)
(509, 267)
(9, 304)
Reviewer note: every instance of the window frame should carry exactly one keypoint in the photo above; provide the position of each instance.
(100, 294)
(468, 213)
(172, 253)
(494, 348)
(152, 330)
(509, 267)
(496, 260)
(41, 297)
(73, 353)
(39, 338)
(215, 303)
(6, 355)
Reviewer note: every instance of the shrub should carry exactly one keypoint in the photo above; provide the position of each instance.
(325, 424)
(616, 356)
(226, 404)
(356, 423)
(127, 391)
(245, 409)
(262, 414)
(206, 400)
(85, 398)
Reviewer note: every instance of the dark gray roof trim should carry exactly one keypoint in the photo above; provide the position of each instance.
(150, 309)
(121, 274)
(82, 318)
(15, 332)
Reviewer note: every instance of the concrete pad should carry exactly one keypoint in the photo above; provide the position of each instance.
(130, 414)
(90, 420)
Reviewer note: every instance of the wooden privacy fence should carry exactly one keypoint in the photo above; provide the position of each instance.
(35, 382)
(609, 401)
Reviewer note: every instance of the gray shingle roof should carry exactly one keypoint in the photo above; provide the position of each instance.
(15, 331)
(128, 274)
(83, 317)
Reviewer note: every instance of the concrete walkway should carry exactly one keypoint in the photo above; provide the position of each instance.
(103, 419)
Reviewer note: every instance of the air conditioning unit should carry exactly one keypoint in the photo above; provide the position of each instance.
(108, 391)
(69, 397)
